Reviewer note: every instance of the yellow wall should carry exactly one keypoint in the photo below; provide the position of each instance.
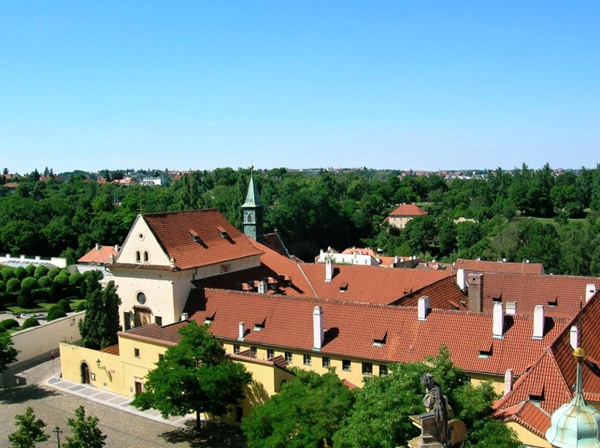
(497, 381)
(527, 437)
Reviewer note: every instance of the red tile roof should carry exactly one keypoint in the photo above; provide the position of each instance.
(273, 241)
(100, 255)
(528, 415)
(499, 266)
(289, 276)
(174, 230)
(561, 295)
(111, 350)
(369, 284)
(352, 328)
(443, 294)
(167, 335)
(408, 210)
(549, 381)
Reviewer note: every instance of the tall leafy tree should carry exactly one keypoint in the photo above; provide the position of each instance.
(85, 431)
(30, 430)
(99, 327)
(306, 413)
(193, 376)
(8, 354)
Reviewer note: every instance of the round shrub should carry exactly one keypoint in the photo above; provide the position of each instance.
(65, 305)
(20, 273)
(41, 271)
(56, 314)
(44, 281)
(24, 301)
(9, 323)
(55, 307)
(52, 273)
(30, 269)
(81, 307)
(7, 273)
(29, 284)
(2, 286)
(13, 286)
(61, 279)
(30, 322)
(76, 279)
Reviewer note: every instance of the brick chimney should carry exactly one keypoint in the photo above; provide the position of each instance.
(538, 322)
(475, 282)
(318, 328)
(498, 321)
(423, 308)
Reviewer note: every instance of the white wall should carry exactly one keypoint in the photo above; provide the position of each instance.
(37, 341)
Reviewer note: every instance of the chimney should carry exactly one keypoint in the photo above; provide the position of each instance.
(538, 322)
(574, 337)
(241, 331)
(116, 248)
(184, 316)
(318, 328)
(590, 290)
(262, 287)
(328, 269)
(475, 282)
(461, 279)
(498, 321)
(511, 308)
(508, 381)
(97, 246)
(423, 308)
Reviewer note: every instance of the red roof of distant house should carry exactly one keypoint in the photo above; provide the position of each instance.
(370, 284)
(11, 185)
(99, 255)
(408, 210)
(175, 231)
(273, 241)
(443, 294)
(499, 266)
(352, 328)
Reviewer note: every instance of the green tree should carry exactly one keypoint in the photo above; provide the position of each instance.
(305, 413)
(29, 430)
(195, 375)
(8, 354)
(99, 327)
(85, 431)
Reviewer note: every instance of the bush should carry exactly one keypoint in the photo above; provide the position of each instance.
(9, 323)
(30, 322)
(7, 273)
(52, 273)
(55, 307)
(56, 314)
(30, 269)
(13, 286)
(62, 279)
(24, 301)
(28, 284)
(41, 271)
(44, 281)
(2, 286)
(76, 279)
(20, 273)
(65, 305)
(81, 307)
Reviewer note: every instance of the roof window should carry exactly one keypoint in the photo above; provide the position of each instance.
(344, 287)
(379, 340)
(223, 232)
(195, 235)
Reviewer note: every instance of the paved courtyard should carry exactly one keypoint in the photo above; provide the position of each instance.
(123, 429)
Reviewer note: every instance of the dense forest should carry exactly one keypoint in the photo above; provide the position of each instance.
(540, 215)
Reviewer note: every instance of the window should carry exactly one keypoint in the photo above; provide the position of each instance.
(253, 351)
(367, 368)
(383, 370)
(307, 360)
(346, 365)
(141, 298)
(236, 348)
(288, 357)
(145, 256)
(158, 321)
(270, 353)
(326, 362)
(138, 257)
(126, 321)
(136, 352)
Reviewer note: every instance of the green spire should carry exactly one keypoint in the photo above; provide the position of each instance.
(252, 198)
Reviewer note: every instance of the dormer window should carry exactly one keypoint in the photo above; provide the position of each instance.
(553, 303)
(260, 324)
(210, 317)
(194, 235)
(344, 287)
(223, 232)
(379, 340)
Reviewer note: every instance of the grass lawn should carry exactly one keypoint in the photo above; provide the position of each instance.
(75, 303)
(18, 309)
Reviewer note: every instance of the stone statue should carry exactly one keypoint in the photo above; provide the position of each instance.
(436, 404)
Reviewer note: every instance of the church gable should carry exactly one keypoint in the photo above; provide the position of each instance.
(141, 246)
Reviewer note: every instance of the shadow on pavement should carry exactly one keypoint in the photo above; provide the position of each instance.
(22, 394)
(212, 435)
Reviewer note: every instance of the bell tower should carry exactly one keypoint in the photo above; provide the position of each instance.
(253, 213)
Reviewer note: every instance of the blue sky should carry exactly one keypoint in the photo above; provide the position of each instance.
(400, 84)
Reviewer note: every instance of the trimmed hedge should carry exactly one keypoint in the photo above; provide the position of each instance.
(30, 322)
(65, 305)
(55, 307)
(9, 324)
(56, 313)
(81, 307)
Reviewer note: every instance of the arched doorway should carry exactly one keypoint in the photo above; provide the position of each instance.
(85, 373)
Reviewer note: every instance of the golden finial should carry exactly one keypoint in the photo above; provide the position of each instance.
(580, 354)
